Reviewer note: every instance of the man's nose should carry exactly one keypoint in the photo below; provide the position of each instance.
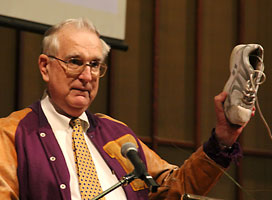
(86, 75)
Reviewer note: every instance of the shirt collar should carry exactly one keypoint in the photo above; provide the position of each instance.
(59, 121)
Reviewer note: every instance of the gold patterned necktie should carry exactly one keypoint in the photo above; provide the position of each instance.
(87, 176)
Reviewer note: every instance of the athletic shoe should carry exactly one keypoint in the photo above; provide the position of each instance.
(246, 74)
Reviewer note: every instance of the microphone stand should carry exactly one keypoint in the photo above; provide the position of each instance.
(125, 180)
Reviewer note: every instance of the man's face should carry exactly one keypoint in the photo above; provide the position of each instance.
(72, 95)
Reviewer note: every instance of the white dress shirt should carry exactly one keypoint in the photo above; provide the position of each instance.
(63, 132)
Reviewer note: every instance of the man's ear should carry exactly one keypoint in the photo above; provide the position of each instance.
(43, 66)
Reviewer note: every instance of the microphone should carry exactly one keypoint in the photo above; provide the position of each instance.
(130, 151)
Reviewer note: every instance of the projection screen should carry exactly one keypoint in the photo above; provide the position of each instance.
(108, 15)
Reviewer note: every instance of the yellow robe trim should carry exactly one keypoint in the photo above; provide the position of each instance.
(100, 115)
(113, 149)
(9, 186)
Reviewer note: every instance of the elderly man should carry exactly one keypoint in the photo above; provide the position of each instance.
(56, 149)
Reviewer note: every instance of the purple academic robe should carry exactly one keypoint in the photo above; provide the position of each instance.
(42, 171)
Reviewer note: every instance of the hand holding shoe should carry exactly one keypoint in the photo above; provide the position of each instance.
(226, 133)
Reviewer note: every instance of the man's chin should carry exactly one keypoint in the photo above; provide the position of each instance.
(76, 110)
(80, 103)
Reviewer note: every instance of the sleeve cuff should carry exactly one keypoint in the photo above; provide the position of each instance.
(221, 156)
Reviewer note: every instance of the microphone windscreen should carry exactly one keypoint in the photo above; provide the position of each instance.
(129, 146)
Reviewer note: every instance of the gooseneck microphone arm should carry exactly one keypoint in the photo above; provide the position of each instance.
(130, 151)
(125, 180)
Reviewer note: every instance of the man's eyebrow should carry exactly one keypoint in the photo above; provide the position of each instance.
(95, 58)
(72, 56)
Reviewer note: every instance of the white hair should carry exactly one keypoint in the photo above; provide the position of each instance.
(50, 44)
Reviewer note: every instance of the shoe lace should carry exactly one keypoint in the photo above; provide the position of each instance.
(263, 119)
(257, 78)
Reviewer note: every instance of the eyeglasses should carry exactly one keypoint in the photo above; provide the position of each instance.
(75, 66)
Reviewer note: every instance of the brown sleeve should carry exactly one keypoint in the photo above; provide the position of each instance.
(196, 176)
(9, 188)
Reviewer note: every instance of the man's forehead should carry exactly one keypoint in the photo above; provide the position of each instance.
(79, 36)
(73, 42)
